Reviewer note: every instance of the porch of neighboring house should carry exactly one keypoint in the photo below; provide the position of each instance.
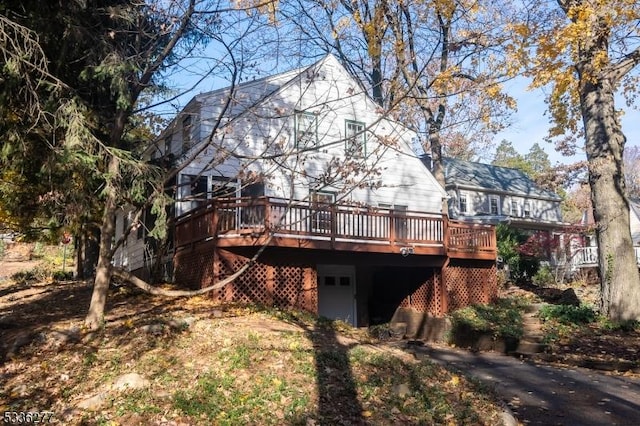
(359, 264)
(587, 257)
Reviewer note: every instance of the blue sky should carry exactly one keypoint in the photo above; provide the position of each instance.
(530, 124)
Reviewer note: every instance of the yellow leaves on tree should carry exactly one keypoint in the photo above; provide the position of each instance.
(268, 7)
(549, 48)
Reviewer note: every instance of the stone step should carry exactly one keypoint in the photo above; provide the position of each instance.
(532, 327)
(525, 346)
(532, 309)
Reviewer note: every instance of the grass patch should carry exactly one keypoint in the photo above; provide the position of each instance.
(563, 321)
(624, 326)
(567, 314)
(501, 319)
(223, 399)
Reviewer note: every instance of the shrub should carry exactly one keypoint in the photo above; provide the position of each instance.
(544, 277)
(39, 273)
(625, 326)
(567, 314)
(38, 250)
(520, 251)
(63, 276)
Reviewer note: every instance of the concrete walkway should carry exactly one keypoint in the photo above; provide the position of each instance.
(540, 394)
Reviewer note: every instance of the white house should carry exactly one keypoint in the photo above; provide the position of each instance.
(307, 164)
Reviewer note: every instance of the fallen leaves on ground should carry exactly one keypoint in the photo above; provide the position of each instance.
(195, 363)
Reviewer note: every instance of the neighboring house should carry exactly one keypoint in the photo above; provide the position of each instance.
(484, 193)
(494, 194)
(634, 221)
(306, 164)
(585, 255)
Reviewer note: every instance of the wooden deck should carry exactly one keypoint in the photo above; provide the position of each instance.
(235, 222)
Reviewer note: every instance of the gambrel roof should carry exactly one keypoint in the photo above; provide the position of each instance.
(495, 179)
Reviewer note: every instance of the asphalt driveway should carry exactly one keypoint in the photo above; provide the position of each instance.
(541, 394)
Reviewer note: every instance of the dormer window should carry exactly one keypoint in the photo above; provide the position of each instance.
(306, 133)
(355, 136)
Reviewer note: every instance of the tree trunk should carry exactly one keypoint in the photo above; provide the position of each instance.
(95, 316)
(604, 142)
(436, 155)
(87, 251)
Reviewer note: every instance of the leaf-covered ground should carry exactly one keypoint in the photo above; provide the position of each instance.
(187, 362)
(596, 345)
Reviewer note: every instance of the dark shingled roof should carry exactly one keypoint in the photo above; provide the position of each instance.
(492, 178)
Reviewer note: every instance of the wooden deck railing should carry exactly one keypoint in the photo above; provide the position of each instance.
(226, 218)
(465, 237)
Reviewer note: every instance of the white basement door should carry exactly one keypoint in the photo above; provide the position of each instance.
(336, 292)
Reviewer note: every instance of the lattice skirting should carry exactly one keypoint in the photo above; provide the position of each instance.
(293, 283)
(459, 284)
(427, 297)
(268, 282)
(469, 283)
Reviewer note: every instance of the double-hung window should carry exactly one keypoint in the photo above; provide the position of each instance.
(306, 133)
(526, 211)
(462, 203)
(253, 213)
(494, 205)
(222, 187)
(355, 136)
(514, 209)
(321, 211)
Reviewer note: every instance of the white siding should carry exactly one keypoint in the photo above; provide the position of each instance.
(129, 255)
(255, 128)
(398, 176)
(634, 222)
